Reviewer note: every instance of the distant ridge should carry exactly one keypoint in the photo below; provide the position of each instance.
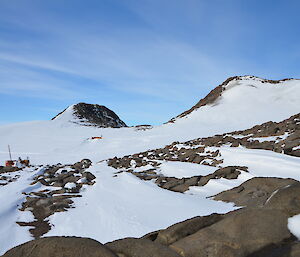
(216, 93)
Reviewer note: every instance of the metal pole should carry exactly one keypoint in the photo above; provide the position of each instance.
(9, 152)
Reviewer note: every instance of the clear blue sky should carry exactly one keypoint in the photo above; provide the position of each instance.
(148, 60)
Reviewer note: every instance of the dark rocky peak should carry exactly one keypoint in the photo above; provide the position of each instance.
(91, 115)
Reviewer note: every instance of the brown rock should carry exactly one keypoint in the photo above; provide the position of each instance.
(253, 192)
(286, 199)
(238, 235)
(88, 175)
(61, 247)
(286, 248)
(134, 247)
(180, 230)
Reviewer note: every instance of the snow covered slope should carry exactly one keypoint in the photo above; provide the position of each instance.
(245, 102)
(120, 204)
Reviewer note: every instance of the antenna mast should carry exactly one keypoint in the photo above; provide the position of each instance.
(9, 152)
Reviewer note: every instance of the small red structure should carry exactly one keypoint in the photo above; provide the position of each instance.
(16, 163)
(9, 163)
(97, 137)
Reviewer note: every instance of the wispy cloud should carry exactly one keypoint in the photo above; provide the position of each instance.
(110, 51)
(149, 68)
(135, 60)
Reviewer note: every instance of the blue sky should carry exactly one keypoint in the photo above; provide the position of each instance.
(148, 60)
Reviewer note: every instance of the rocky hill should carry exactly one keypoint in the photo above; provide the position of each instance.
(90, 115)
(217, 93)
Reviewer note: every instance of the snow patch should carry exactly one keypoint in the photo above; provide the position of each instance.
(184, 169)
(70, 185)
(294, 225)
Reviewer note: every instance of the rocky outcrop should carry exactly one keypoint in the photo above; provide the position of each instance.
(92, 115)
(182, 184)
(183, 229)
(61, 247)
(281, 137)
(239, 234)
(255, 192)
(130, 247)
(67, 181)
(9, 174)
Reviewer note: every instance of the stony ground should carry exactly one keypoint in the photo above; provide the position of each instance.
(259, 229)
(8, 175)
(281, 137)
(61, 183)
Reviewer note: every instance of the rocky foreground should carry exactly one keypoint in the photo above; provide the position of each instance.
(60, 184)
(259, 229)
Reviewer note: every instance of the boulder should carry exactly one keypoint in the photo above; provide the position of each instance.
(253, 192)
(238, 235)
(180, 230)
(286, 199)
(83, 164)
(88, 175)
(229, 172)
(61, 247)
(134, 247)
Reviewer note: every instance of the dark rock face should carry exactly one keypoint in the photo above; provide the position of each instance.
(254, 192)
(96, 115)
(61, 247)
